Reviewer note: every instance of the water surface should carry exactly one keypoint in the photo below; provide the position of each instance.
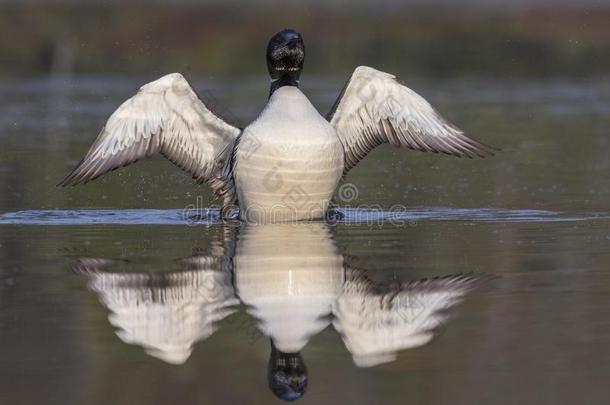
(128, 290)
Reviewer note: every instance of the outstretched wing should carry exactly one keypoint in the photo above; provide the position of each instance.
(374, 108)
(167, 117)
(376, 322)
(164, 312)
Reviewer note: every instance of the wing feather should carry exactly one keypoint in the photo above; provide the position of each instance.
(374, 108)
(166, 117)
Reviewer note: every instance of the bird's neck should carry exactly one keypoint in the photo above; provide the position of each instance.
(284, 80)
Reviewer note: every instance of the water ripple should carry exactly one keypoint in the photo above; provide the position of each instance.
(347, 215)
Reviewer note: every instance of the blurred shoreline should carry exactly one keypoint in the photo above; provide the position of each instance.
(434, 40)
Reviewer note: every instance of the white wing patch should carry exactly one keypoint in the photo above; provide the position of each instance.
(374, 108)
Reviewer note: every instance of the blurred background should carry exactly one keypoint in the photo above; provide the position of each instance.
(413, 37)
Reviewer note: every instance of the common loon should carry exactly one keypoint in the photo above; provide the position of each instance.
(285, 165)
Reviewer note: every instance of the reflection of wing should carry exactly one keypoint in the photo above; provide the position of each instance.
(374, 108)
(166, 117)
(377, 322)
(166, 313)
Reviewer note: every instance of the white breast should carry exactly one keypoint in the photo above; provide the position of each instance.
(288, 161)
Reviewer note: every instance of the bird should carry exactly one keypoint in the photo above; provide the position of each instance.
(287, 164)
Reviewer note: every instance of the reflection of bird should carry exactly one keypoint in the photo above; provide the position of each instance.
(294, 281)
(289, 275)
(290, 151)
(166, 313)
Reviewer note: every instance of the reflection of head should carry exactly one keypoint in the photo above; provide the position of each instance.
(286, 374)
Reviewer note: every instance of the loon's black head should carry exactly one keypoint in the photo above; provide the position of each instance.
(286, 375)
(285, 57)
